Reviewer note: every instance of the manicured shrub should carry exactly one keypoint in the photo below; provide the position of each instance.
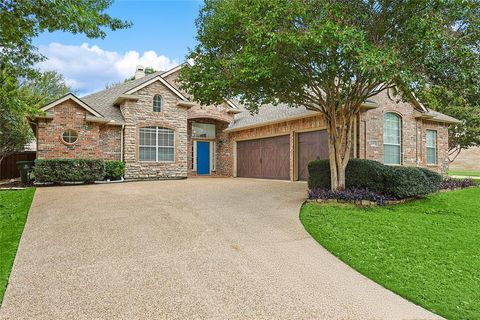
(61, 170)
(114, 169)
(434, 178)
(406, 182)
(353, 194)
(451, 184)
(319, 174)
(365, 174)
(398, 182)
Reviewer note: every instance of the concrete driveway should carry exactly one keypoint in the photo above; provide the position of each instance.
(200, 248)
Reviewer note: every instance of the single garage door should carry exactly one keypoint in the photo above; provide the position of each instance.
(267, 158)
(311, 146)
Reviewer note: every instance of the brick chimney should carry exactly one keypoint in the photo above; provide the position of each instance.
(140, 72)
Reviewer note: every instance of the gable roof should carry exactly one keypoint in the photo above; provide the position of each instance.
(158, 78)
(71, 96)
(103, 101)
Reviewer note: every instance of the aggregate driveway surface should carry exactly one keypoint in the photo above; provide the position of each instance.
(191, 249)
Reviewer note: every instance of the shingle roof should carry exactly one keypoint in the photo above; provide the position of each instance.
(271, 114)
(102, 101)
(437, 116)
(267, 113)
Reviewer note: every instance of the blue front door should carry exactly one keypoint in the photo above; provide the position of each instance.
(203, 157)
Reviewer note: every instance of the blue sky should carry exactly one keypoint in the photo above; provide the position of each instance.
(161, 34)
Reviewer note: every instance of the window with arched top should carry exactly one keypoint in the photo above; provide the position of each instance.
(156, 144)
(392, 138)
(157, 103)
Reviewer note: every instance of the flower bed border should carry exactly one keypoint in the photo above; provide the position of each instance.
(368, 203)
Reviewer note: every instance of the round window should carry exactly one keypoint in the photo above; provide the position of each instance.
(69, 136)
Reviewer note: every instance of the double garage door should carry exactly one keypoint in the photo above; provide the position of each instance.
(269, 158)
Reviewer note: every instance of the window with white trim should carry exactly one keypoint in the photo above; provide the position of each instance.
(431, 147)
(203, 130)
(157, 144)
(157, 103)
(392, 138)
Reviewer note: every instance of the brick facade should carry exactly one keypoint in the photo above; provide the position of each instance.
(97, 140)
(94, 140)
(223, 148)
(369, 135)
(370, 138)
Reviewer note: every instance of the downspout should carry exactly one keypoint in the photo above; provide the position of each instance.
(121, 142)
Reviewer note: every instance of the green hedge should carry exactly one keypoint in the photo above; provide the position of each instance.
(319, 174)
(60, 170)
(114, 169)
(398, 182)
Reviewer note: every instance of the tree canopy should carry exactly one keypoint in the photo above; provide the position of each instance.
(329, 56)
(22, 20)
(29, 95)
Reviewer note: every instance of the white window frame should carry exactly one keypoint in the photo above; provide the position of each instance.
(206, 124)
(435, 147)
(157, 146)
(155, 106)
(213, 155)
(399, 145)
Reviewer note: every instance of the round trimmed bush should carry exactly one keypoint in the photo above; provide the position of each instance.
(395, 181)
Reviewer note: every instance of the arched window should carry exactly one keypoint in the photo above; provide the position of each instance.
(392, 138)
(157, 144)
(157, 103)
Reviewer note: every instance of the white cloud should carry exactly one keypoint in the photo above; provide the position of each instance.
(89, 68)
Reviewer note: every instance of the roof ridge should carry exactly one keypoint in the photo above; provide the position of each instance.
(129, 84)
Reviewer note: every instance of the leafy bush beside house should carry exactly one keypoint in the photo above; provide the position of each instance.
(114, 169)
(61, 170)
(397, 182)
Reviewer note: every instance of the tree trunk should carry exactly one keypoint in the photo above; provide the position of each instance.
(339, 146)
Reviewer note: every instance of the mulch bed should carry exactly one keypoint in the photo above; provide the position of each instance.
(13, 184)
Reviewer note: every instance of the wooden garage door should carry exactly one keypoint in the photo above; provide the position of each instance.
(267, 158)
(311, 146)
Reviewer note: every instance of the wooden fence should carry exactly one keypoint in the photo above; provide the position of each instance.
(8, 168)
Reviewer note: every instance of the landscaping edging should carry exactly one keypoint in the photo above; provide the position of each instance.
(360, 203)
(367, 203)
(74, 183)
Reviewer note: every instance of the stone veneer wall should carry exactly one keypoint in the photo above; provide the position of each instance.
(94, 140)
(139, 114)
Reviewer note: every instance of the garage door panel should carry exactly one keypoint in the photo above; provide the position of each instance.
(264, 158)
(311, 146)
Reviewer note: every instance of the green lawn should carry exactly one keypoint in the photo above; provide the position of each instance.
(464, 173)
(14, 206)
(427, 251)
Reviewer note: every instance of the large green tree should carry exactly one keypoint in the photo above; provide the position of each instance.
(24, 97)
(462, 106)
(22, 20)
(329, 56)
